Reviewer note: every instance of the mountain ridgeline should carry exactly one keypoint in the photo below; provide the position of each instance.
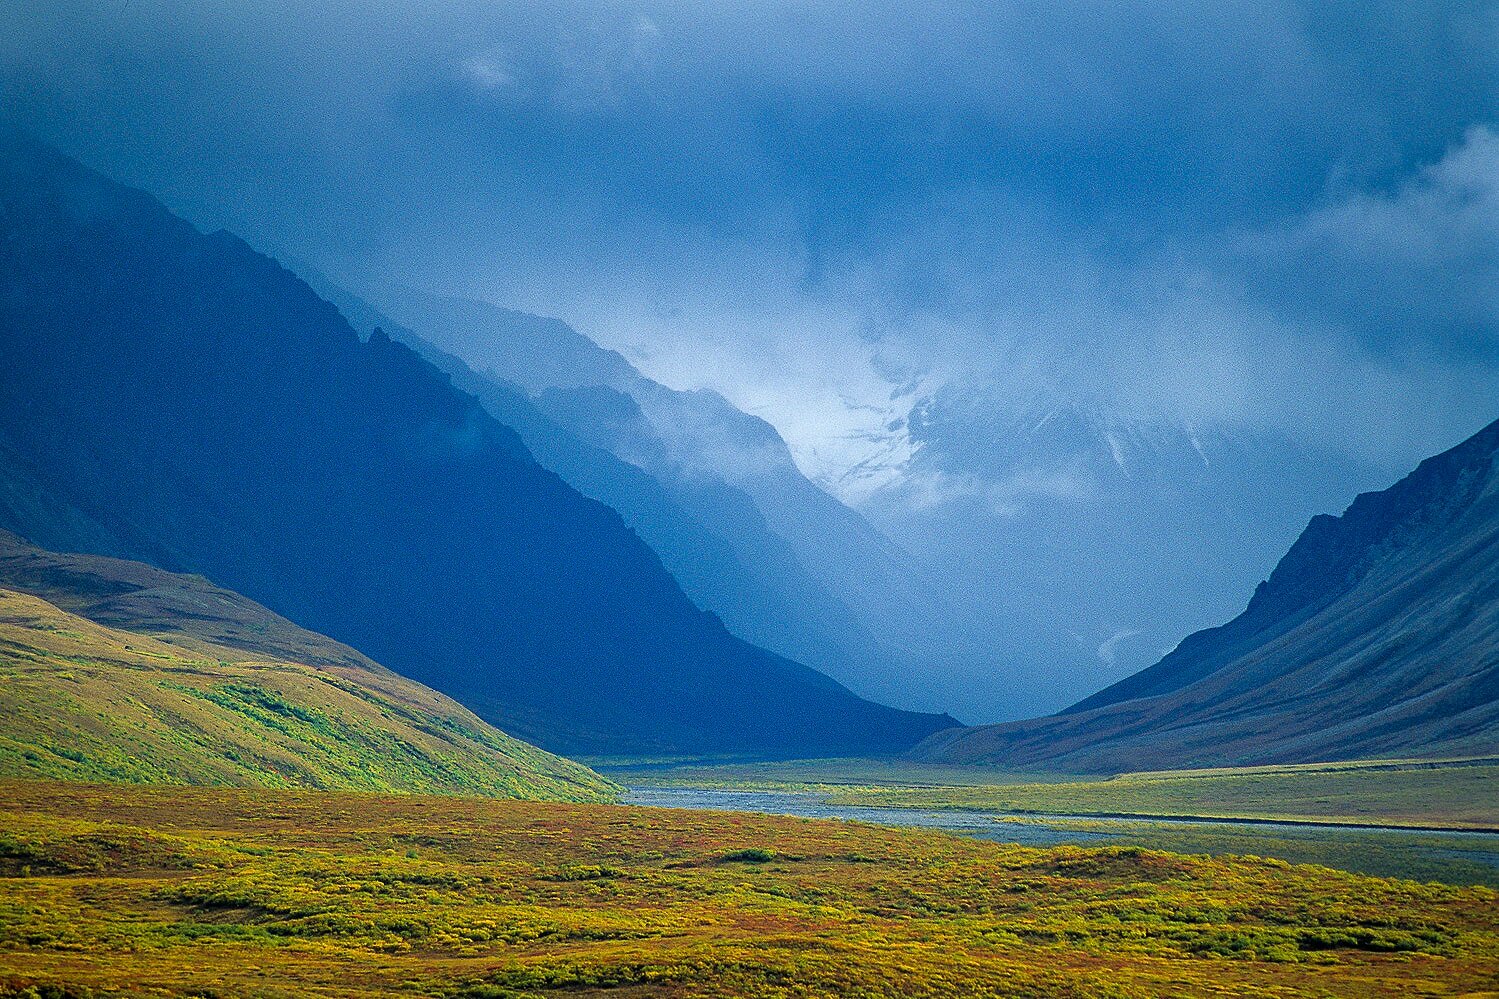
(802, 574)
(710, 536)
(180, 399)
(1376, 636)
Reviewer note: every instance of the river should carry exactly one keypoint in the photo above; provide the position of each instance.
(1458, 857)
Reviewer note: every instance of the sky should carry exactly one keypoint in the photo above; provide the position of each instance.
(1261, 214)
(945, 249)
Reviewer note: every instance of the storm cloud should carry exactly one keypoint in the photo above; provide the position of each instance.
(829, 210)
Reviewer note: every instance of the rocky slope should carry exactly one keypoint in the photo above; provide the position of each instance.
(1377, 635)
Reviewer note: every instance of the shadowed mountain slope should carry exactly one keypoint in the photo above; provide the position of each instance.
(1377, 635)
(883, 624)
(710, 536)
(183, 400)
(118, 671)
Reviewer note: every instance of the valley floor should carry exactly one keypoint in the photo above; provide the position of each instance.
(1444, 794)
(237, 892)
(1424, 820)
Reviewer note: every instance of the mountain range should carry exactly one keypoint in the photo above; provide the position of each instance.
(802, 573)
(1089, 541)
(1376, 636)
(709, 535)
(502, 511)
(1113, 540)
(180, 399)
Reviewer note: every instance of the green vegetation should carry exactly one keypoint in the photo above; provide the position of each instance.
(1421, 856)
(120, 890)
(82, 701)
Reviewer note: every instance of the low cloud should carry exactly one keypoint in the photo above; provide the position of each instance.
(1368, 325)
(1108, 649)
(488, 70)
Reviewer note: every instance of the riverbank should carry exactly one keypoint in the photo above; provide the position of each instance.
(1445, 855)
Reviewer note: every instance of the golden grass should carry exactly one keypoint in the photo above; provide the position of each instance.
(240, 892)
(82, 701)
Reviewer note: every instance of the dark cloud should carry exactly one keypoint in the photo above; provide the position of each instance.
(1048, 185)
(1177, 112)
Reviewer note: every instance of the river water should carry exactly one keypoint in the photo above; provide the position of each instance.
(1460, 857)
(810, 805)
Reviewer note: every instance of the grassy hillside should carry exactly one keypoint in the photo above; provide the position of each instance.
(151, 891)
(172, 701)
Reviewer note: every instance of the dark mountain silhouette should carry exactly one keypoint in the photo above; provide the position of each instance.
(183, 400)
(710, 536)
(1377, 635)
(891, 631)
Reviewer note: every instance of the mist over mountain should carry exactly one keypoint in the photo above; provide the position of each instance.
(895, 629)
(1088, 308)
(183, 400)
(709, 535)
(1377, 636)
(1106, 539)
(650, 499)
(1060, 548)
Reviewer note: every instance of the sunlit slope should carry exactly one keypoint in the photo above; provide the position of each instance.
(1377, 636)
(191, 684)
